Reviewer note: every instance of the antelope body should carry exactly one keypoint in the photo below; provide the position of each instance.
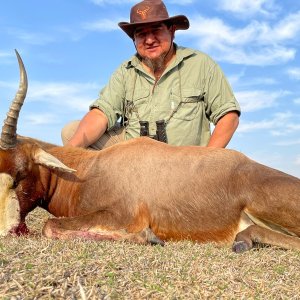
(145, 191)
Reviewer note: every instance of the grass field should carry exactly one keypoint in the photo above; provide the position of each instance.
(37, 268)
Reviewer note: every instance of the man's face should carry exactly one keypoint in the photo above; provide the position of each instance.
(153, 41)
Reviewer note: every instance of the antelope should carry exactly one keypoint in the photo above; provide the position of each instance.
(144, 191)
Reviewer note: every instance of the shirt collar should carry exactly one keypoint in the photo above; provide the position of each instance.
(181, 54)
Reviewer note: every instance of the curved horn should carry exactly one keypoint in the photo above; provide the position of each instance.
(9, 129)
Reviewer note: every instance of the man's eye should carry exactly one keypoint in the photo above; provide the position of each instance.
(158, 29)
(140, 35)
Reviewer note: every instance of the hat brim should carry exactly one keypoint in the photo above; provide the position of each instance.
(181, 22)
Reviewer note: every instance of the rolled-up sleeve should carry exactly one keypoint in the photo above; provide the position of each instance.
(111, 98)
(219, 96)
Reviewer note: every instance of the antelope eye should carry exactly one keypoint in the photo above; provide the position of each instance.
(19, 177)
(15, 184)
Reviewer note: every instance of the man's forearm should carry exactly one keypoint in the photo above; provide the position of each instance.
(90, 129)
(224, 130)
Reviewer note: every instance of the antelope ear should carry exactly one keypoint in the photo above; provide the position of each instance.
(44, 158)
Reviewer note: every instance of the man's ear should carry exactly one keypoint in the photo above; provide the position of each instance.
(172, 30)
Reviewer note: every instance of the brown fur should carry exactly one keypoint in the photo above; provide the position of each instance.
(180, 193)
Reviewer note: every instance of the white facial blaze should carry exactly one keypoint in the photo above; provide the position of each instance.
(9, 205)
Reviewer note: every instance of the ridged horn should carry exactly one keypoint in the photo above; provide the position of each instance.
(9, 129)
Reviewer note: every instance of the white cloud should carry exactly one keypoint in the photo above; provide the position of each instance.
(7, 58)
(294, 73)
(297, 101)
(254, 126)
(256, 56)
(182, 2)
(5, 54)
(288, 143)
(258, 43)
(239, 80)
(8, 85)
(273, 125)
(32, 38)
(102, 25)
(246, 82)
(43, 38)
(282, 125)
(71, 33)
(103, 2)
(288, 28)
(41, 119)
(256, 100)
(55, 98)
(277, 160)
(75, 96)
(286, 131)
(244, 8)
(297, 161)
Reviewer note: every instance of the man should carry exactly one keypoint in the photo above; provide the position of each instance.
(183, 88)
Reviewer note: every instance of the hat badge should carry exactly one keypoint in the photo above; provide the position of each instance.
(143, 12)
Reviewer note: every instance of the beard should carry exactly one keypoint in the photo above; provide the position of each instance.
(156, 64)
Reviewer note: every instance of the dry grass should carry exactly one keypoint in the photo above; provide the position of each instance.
(37, 268)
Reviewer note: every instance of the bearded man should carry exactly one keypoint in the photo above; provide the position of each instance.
(165, 91)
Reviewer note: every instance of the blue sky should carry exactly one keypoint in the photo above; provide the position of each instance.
(71, 47)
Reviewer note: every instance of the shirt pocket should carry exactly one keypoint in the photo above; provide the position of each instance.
(137, 102)
(187, 106)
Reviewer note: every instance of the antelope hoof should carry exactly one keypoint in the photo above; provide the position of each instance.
(240, 247)
(153, 239)
(156, 241)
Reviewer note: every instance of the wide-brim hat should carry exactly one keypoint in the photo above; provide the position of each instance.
(152, 11)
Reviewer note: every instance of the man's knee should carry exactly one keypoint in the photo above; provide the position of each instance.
(108, 138)
(68, 131)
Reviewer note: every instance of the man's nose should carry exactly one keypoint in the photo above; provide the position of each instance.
(150, 37)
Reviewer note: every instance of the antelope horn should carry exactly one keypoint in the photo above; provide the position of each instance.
(9, 129)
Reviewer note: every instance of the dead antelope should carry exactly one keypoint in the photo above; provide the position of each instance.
(144, 191)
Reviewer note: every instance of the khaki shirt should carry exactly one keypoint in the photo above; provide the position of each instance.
(192, 93)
